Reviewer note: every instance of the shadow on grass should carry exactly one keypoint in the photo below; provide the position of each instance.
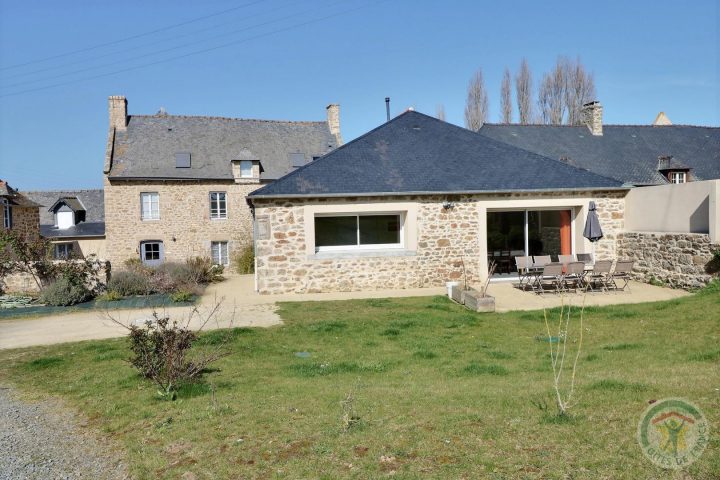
(618, 386)
(488, 369)
(622, 346)
(43, 363)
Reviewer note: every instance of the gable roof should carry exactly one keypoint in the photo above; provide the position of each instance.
(91, 201)
(72, 202)
(628, 153)
(13, 197)
(418, 154)
(147, 148)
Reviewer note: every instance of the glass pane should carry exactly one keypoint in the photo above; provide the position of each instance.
(505, 239)
(335, 231)
(548, 232)
(246, 168)
(379, 229)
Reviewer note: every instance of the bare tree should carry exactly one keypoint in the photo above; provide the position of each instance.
(506, 97)
(476, 105)
(579, 89)
(552, 95)
(523, 93)
(440, 111)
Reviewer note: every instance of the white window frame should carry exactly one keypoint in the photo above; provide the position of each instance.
(216, 213)
(224, 260)
(7, 214)
(246, 172)
(154, 206)
(678, 177)
(67, 250)
(357, 246)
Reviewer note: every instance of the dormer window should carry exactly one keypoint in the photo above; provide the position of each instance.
(68, 211)
(678, 177)
(246, 169)
(182, 160)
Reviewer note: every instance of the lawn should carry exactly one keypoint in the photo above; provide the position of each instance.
(409, 388)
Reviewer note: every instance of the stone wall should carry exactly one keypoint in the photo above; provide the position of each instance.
(611, 213)
(678, 259)
(448, 244)
(25, 220)
(23, 282)
(184, 227)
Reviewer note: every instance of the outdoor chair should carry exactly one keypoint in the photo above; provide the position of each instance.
(550, 277)
(566, 259)
(623, 269)
(524, 268)
(541, 260)
(585, 258)
(574, 278)
(599, 276)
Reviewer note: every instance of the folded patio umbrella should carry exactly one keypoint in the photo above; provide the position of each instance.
(593, 231)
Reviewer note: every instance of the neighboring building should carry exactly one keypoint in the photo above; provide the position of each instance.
(74, 220)
(175, 186)
(418, 202)
(18, 213)
(637, 155)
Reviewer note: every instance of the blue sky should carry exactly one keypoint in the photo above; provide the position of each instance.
(647, 56)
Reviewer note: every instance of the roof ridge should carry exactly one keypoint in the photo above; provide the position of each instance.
(212, 117)
(604, 125)
(66, 191)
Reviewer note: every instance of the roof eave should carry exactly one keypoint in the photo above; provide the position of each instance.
(451, 192)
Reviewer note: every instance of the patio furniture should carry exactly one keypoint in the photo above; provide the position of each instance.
(585, 257)
(599, 275)
(524, 266)
(550, 277)
(566, 259)
(623, 269)
(541, 260)
(574, 276)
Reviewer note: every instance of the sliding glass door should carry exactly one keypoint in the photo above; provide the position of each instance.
(527, 232)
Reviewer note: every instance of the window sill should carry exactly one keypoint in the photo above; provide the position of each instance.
(339, 254)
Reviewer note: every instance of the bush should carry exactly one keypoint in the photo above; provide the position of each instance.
(109, 296)
(128, 283)
(63, 292)
(204, 271)
(244, 260)
(182, 296)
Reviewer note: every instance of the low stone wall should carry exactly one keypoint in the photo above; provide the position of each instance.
(678, 259)
(23, 282)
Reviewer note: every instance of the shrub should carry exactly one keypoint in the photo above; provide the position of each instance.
(128, 283)
(161, 353)
(110, 296)
(63, 292)
(182, 296)
(204, 271)
(244, 259)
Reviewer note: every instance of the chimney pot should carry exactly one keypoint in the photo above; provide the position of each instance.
(333, 120)
(118, 112)
(592, 115)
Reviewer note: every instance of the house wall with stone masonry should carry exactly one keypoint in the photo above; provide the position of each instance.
(185, 227)
(25, 220)
(450, 245)
(678, 259)
(24, 283)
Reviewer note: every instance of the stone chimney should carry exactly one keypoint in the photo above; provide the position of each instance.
(333, 120)
(118, 112)
(661, 120)
(592, 116)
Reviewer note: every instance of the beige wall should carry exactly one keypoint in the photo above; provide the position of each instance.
(692, 207)
(439, 243)
(87, 246)
(185, 227)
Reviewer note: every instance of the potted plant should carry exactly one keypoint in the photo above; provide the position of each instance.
(476, 300)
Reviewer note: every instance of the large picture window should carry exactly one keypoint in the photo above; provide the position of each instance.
(361, 231)
(150, 206)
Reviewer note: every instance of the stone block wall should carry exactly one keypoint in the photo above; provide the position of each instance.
(678, 259)
(184, 227)
(448, 244)
(25, 220)
(22, 282)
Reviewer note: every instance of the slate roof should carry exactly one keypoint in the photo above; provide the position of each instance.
(147, 148)
(92, 201)
(628, 153)
(416, 153)
(14, 197)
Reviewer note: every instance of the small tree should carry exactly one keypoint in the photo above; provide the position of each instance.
(523, 93)
(27, 255)
(476, 105)
(506, 98)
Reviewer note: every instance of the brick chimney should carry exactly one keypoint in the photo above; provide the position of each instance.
(118, 112)
(592, 116)
(333, 120)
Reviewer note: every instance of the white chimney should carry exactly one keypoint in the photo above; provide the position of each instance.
(118, 112)
(592, 116)
(661, 120)
(333, 120)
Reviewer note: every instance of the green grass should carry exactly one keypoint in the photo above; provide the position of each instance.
(440, 391)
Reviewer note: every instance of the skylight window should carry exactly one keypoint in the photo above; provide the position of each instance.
(297, 159)
(182, 160)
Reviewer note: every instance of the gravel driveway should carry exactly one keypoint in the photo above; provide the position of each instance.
(43, 441)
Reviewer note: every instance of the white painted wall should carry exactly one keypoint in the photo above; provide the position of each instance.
(65, 219)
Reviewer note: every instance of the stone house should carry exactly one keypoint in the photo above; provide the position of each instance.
(418, 202)
(73, 220)
(18, 213)
(175, 185)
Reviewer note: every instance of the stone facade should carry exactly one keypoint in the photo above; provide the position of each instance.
(678, 259)
(25, 220)
(24, 283)
(184, 227)
(448, 245)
